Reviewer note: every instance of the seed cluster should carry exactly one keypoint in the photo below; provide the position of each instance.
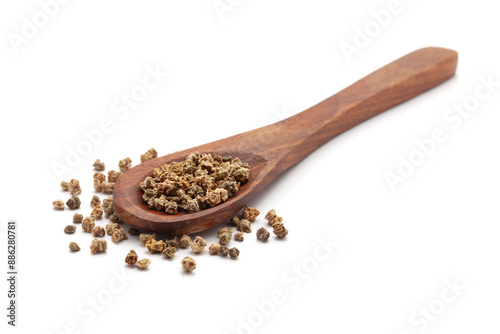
(198, 182)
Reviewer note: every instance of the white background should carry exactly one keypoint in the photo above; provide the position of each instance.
(259, 62)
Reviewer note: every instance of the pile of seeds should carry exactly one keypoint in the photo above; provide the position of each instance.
(198, 182)
(199, 177)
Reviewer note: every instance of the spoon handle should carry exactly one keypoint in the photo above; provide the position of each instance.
(294, 138)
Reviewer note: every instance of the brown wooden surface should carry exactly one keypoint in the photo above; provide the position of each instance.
(272, 149)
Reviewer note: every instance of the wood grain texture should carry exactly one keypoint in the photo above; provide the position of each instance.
(272, 149)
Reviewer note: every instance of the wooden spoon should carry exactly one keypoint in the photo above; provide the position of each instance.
(272, 149)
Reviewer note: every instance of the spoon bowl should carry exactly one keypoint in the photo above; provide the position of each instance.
(272, 149)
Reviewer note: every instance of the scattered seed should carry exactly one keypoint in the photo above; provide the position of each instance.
(233, 253)
(99, 176)
(131, 257)
(98, 245)
(250, 213)
(73, 246)
(234, 221)
(59, 205)
(118, 235)
(244, 226)
(70, 229)
(169, 252)
(155, 246)
(173, 242)
(223, 251)
(95, 201)
(65, 185)
(133, 231)
(224, 235)
(107, 187)
(114, 218)
(74, 187)
(143, 263)
(272, 218)
(97, 185)
(125, 164)
(149, 155)
(214, 248)
(239, 236)
(113, 176)
(111, 227)
(77, 218)
(280, 230)
(107, 206)
(185, 241)
(98, 232)
(188, 264)
(97, 212)
(144, 238)
(74, 202)
(99, 165)
(88, 224)
(198, 245)
(263, 234)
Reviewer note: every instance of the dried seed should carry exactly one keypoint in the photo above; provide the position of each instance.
(107, 206)
(131, 257)
(224, 235)
(198, 245)
(143, 263)
(88, 224)
(98, 245)
(95, 201)
(98, 185)
(185, 241)
(214, 248)
(125, 164)
(244, 226)
(59, 205)
(97, 212)
(70, 229)
(111, 227)
(239, 236)
(150, 154)
(65, 185)
(272, 218)
(113, 176)
(234, 221)
(99, 165)
(114, 218)
(77, 218)
(188, 264)
(74, 187)
(118, 235)
(250, 213)
(98, 232)
(107, 187)
(99, 176)
(223, 251)
(280, 230)
(263, 234)
(233, 253)
(173, 242)
(133, 231)
(169, 252)
(155, 246)
(74, 202)
(144, 238)
(73, 246)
